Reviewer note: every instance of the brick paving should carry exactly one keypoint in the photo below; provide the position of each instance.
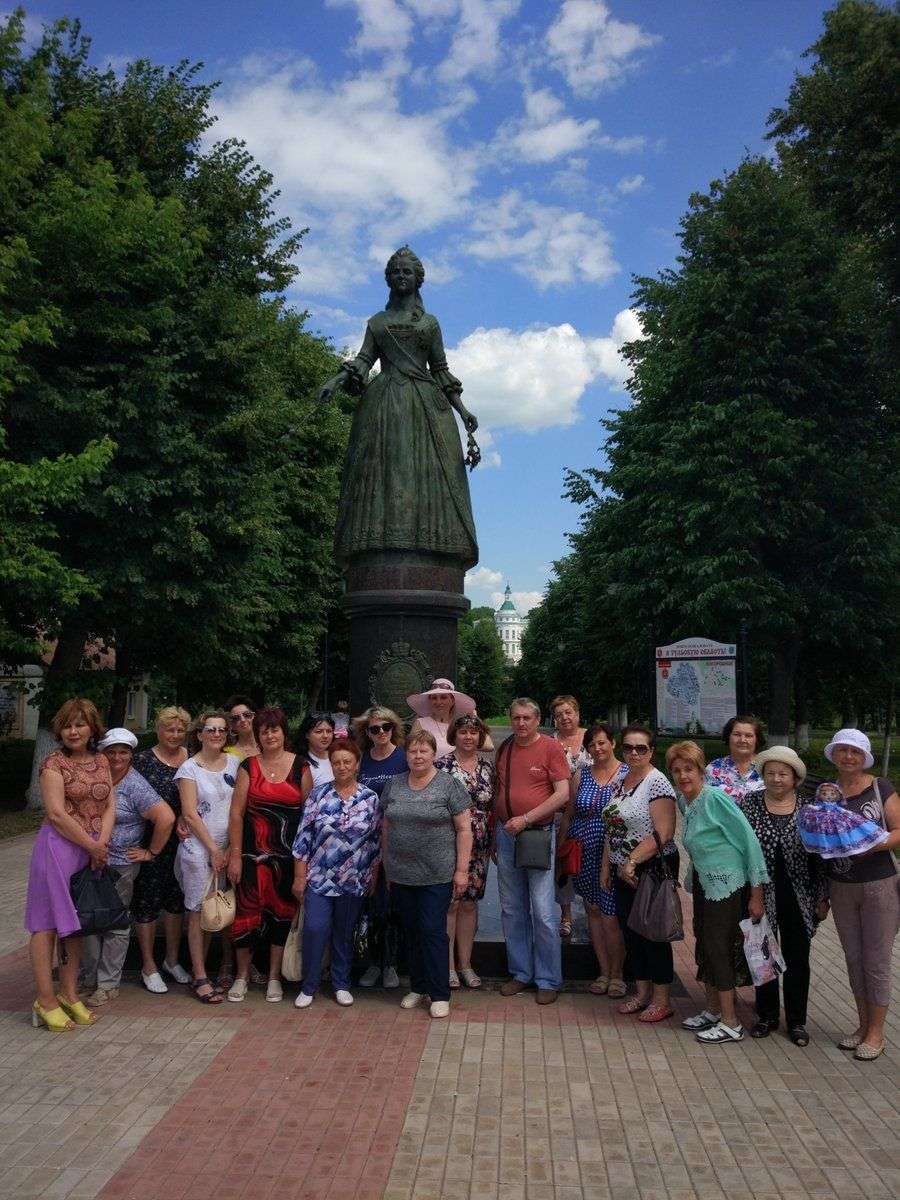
(505, 1101)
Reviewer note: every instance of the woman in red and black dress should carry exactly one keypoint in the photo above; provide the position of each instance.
(265, 815)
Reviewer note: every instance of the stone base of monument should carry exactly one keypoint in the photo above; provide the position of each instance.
(403, 609)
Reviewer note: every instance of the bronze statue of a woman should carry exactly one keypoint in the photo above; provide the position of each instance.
(404, 485)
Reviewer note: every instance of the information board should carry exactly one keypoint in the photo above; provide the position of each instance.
(696, 686)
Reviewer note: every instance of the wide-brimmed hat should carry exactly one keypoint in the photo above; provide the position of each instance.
(782, 754)
(119, 737)
(419, 701)
(851, 737)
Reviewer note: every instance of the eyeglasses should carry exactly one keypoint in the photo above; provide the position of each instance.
(219, 729)
(388, 728)
(631, 748)
(236, 718)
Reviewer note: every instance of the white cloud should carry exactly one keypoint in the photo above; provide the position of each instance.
(475, 46)
(524, 601)
(385, 25)
(34, 26)
(622, 145)
(631, 183)
(482, 579)
(546, 132)
(535, 378)
(592, 48)
(549, 245)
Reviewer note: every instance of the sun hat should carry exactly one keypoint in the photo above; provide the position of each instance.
(782, 754)
(119, 737)
(851, 737)
(418, 701)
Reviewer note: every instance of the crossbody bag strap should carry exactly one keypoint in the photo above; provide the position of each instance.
(508, 747)
(877, 791)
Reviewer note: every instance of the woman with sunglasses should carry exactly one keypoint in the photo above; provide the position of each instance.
(241, 739)
(205, 785)
(640, 823)
(379, 734)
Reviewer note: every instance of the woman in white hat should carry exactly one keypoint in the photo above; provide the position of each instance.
(137, 804)
(795, 894)
(436, 709)
(865, 892)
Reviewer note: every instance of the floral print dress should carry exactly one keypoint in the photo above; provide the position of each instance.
(480, 786)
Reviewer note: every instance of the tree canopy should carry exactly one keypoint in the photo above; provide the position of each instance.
(481, 667)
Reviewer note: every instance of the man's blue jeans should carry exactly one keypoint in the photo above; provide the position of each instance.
(530, 917)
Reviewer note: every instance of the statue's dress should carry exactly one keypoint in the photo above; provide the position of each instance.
(404, 485)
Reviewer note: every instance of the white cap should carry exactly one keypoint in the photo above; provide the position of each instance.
(119, 737)
(851, 737)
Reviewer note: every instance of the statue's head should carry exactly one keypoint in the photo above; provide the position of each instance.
(408, 258)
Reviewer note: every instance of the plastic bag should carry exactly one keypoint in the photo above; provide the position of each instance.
(762, 951)
(292, 961)
(97, 900)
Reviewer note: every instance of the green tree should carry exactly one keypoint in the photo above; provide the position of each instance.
(752, 476)
(481, 667)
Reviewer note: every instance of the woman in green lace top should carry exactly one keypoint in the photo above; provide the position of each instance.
(729, 871)
(404, 485)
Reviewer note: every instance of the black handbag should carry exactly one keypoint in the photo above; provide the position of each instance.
(533, 848)
(656, 909)
(97, 901)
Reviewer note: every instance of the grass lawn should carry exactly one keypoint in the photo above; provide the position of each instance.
(25, 820)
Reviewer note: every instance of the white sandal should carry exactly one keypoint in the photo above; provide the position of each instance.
(703, 1020)
(721, 1033)
(238, 991)
(469, 978)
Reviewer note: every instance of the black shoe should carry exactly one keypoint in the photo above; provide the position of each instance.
(799, 1036)
(763, 1028)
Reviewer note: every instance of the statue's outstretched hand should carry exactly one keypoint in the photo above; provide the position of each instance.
(327, 390)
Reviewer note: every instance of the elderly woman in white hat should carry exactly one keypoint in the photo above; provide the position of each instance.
(795, 894)
(137, 804)
(437, 708)
(865, 891)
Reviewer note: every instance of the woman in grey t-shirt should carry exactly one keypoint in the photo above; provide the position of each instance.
(427, 847)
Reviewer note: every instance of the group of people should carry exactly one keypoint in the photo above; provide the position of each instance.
(368, 827)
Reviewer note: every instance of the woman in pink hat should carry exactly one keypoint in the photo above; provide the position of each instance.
(437, 708)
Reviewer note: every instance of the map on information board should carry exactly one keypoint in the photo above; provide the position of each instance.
(696, 687)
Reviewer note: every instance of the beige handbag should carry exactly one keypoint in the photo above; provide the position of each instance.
(292, 962)
(217, 908)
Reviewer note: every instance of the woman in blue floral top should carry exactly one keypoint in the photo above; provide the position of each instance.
(734, 773)
(337, 851)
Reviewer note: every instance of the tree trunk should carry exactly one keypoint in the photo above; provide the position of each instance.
(65, 663)
(801, 716)
(888, 730)
(781, 676)
(118, 705)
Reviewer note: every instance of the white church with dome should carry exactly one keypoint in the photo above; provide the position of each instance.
(510, 627)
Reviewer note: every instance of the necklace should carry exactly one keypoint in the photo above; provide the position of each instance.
(276, 766)
(608, 779)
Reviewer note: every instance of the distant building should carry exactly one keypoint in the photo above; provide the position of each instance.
(510, 627)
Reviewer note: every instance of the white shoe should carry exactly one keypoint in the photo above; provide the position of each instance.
(343, 997)
(154, 983)
(721, 1032)
(274, 991)
(411, 1000)
(703, 1020)
(238, 991)
(370, 977)
(303, 1001)
(391, 978)
(454, 980)
(440, 1008)
(177, 971)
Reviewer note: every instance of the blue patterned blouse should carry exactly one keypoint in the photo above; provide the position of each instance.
(340, 840)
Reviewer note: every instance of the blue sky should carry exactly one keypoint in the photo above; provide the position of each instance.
(535, 153)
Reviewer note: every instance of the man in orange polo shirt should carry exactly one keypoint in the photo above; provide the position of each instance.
(534, 767)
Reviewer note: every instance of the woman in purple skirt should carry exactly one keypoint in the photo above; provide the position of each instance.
(76, 788)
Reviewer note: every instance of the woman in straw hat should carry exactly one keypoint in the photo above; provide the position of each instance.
(437, 708)
(795, 894)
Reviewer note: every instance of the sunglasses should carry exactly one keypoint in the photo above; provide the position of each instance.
(216, 729)
(388, 728)
(244, 716)
(631, 748)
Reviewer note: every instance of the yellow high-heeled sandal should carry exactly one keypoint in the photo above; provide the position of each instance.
(53, 1018)
(79, 1013)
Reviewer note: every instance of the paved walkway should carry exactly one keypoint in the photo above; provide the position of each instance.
(163, 1099)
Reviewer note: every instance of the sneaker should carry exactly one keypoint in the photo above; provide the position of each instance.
(303, 1001)
(703, 1020)
(343, 997)
(391, 978)
(101, 996)
(154, 982)
(274, 991)
(411, 1000)
(440, 1008)
(238, 991)
(370, 977)
(720, 1032)
(177, 971)
(512, 987)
